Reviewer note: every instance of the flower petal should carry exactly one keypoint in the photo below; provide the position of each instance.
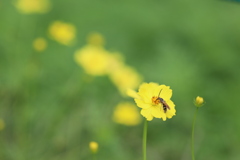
(163, 114)
(157, 90)
(171, 113)
(133, 94)
(164, 118)
(149, 118)
(170, 104)
(147, 114)
(146, 91)
(166, 93)
(172, 110)
(140, 103)
(156, 111)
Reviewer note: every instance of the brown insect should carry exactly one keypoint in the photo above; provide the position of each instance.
(165, 105)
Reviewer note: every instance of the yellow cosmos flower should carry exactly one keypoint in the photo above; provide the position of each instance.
(39, 44)
(93, 146)
(93, 59)
(97, 61)
(199, 101)
(126, 114)
(125, 78)
(115, 62)
(154, 99)
(63, 33)
(32, 6)
(95, 39)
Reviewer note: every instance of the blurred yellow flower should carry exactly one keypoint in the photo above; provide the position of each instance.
(97, 61)
(63, 33)
(199, 101)
(154, 99)
(95, 39)
(93, 59)
(32, 6)
(126, 114)
(125, 78)
(93, 146)
(115, 62)
(39, 44)
(2, 125)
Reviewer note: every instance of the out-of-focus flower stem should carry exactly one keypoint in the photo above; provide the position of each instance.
(145, 140)
(193, 126)
(94, 157)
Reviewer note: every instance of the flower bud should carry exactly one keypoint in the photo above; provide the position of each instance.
(199, 101)
(93, 147)
(39, 44)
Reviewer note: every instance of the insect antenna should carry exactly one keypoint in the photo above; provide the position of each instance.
(159, 92)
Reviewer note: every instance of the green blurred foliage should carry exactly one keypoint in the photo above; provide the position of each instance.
(52, 109)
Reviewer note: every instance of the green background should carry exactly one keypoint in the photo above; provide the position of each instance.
(52, 109)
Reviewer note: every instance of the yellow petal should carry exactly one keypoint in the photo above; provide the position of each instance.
(158, 90)
(170, 104)
(146, 91)
(133, 94)
(166, 93)
(172, 110)
(149, 118)
(156, 112)
(153, 87)
(147, 114)
(164, 118)
(142, 104)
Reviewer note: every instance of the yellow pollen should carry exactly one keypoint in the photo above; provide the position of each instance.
(155, 100)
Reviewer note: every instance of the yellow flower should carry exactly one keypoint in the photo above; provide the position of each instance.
(93, 59)
(93, 147)
(199, 101)
(132, 93)
(39, 44)
(125, 78)
(126, 114)
(63, 33)
(32, 6)
(154, 99)
(115, 62)
(2, 125)
(95, 39)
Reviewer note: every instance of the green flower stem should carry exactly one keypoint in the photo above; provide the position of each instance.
(94, 157)
(145, 140)
(193, 126)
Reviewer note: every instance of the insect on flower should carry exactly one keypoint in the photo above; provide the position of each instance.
(154, 101)
(161, 100)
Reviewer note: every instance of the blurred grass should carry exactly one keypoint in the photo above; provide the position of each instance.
(52, 109)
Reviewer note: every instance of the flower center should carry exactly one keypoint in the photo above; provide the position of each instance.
(155, 100)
